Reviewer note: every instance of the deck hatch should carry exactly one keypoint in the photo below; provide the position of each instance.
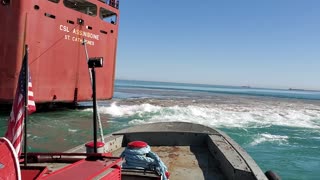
(54, 1)
(89, 27)
(108, 16)
(103, 32)
(50, 15)
(70, 22)
(82, 6)
(5, 2)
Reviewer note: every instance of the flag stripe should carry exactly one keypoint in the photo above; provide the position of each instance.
(16, 120)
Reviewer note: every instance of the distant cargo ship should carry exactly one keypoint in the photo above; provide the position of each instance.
(55, 31)
(294, 89)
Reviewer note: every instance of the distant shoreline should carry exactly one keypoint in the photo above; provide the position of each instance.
(245, 86)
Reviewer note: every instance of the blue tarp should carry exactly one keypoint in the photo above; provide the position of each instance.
(143, 158)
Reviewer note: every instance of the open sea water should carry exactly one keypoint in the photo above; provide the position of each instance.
(280, 129)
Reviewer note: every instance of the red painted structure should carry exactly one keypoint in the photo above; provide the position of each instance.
(9, 164)
(84, 166)
(54, 31)
(137, 144)
(103, 168)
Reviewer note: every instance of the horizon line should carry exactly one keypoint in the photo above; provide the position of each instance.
(239, 86)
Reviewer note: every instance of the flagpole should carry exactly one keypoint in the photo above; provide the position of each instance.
(26, 103)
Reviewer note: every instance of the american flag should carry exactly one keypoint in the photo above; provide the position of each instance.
(16, 120)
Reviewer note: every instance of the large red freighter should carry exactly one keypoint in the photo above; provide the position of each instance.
(55, 31)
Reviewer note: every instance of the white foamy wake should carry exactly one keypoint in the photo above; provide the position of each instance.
(125, 110)
(219, 115)
(263, 138)
(72, 130)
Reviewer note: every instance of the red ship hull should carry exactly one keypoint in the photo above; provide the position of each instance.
(57, 58)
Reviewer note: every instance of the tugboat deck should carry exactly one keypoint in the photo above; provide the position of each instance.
(190, 151)
(187, 162)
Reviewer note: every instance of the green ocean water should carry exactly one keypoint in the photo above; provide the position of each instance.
(280, 129)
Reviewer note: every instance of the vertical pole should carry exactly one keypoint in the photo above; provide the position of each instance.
(26, 65)
(94, 109)
(98, 114)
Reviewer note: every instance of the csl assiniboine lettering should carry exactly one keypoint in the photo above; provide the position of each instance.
(78, 33)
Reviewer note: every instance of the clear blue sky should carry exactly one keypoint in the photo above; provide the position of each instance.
(261, 43)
